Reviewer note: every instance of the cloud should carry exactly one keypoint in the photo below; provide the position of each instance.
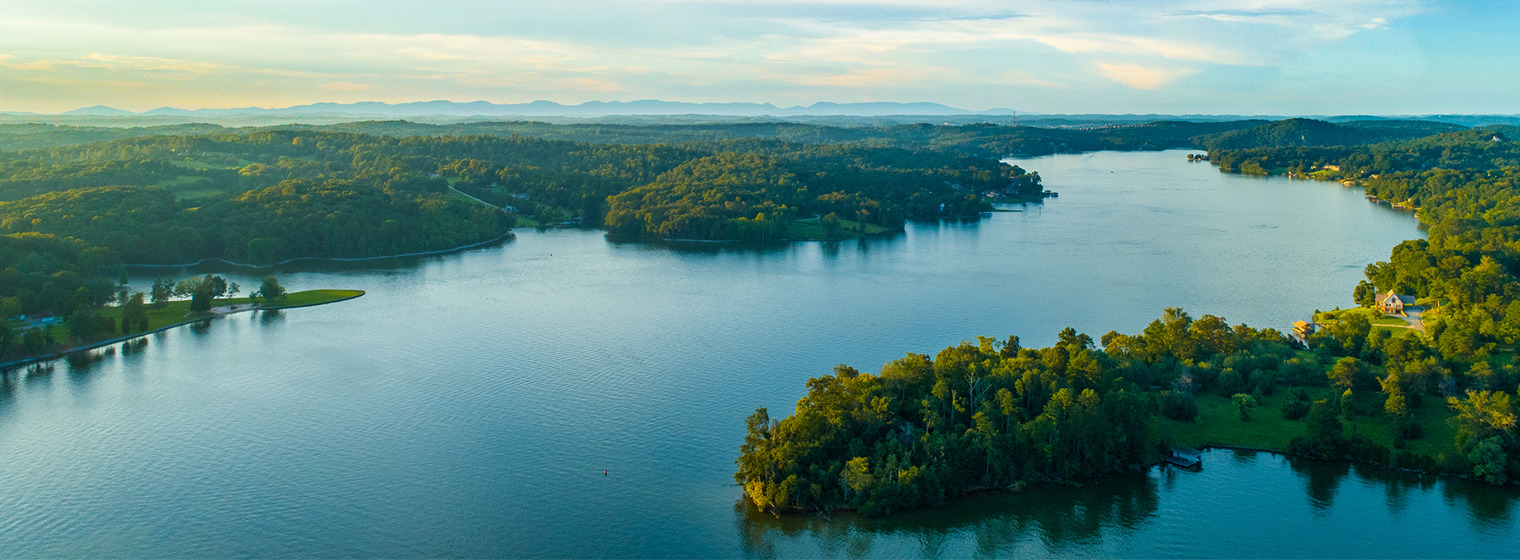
(346, 86)
(969, 52)
(1141, 77)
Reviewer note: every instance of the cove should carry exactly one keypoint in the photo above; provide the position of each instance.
(469, 403)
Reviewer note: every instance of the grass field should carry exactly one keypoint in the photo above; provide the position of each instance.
(1373, 316)
(1219, 423)
(313, 297)
(812, 228)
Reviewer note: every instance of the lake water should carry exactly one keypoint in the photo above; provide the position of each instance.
(469, 404)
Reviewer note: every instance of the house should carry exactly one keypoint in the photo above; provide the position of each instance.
(1393, 303)
(1303, 329)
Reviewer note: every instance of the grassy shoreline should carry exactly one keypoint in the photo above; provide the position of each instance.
(177, 314)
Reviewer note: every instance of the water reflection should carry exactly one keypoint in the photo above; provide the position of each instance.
(201, 327)
(998, 524)
(1166, 512)
(1322, 479)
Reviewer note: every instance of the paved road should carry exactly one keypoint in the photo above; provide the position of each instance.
(1415, 322)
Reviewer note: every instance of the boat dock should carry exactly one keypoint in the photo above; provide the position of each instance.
(1185, 458)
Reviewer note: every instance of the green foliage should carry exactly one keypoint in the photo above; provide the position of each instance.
(48, 275)
(985, 414)
(1310, 132)
(1324, 436)
(1179, 406)
(270, 291)
(1244, 403)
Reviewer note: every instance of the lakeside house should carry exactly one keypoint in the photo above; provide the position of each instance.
(1393, 303)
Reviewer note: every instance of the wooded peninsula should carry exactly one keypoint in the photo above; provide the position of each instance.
(991, 414)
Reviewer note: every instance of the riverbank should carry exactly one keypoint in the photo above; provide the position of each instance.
(177, 314)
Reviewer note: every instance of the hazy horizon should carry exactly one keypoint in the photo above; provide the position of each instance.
(1284, 57)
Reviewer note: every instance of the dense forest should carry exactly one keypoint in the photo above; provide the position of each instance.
(1310, 132)
(267, 196)
(991, 414)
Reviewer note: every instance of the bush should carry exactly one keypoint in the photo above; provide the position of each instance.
(1293, 410)
(1179, 406)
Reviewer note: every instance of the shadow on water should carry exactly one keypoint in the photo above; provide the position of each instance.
(82, 365)
(1057, 519)
(830, 247)
(271, 317)
(201, 327)
(1322, 480)
(1487, 507)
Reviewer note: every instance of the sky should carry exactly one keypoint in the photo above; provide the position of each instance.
(1281, 57)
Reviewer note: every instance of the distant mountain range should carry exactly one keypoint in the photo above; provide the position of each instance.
(653, 111)
(552, 109)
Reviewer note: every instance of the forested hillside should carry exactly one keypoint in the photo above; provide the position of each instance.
(1310, 132)
(267, 196)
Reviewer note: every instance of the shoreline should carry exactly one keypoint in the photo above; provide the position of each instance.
(5, 368)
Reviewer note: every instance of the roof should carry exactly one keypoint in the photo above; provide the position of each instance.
(1389, 296)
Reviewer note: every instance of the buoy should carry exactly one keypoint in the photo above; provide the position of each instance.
(604, 472)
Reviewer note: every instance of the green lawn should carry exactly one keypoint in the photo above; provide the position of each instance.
(197, 165)
(195, 194)
(1373, 316)
(313, 297)
(812, 228)
(1219, 423)
(181, 181)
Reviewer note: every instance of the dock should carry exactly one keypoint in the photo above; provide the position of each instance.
(1185, 458)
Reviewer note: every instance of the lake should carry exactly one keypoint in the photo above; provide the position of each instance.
(469, 404)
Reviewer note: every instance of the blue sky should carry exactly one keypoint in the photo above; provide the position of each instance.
(1089, 56)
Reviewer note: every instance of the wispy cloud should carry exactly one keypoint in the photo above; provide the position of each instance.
(977, 53)
(1141, 77)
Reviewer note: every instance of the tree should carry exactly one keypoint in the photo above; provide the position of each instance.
(270, 290)
(86, 325)
(134, 312)
(857, 475)
(1481, 415)
(163, 289)
(1324, 436)
(1244, 403)
(1365, 294)
(1343, 374)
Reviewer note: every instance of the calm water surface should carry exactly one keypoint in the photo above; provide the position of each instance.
(468, 405)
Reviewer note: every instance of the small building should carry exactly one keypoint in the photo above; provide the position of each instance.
(1303, 329)
(1186, 458)
(1393, 303)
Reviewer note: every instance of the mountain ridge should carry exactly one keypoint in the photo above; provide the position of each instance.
(542, 108)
